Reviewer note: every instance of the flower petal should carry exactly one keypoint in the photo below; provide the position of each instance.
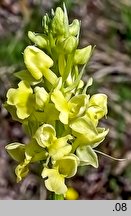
(55, 181)
(61, 105)
(83, 125)
(60, 147)
(45, 135)
(16, 151)
(11, 96)
(22, 170)
(67, 166)
(78, 105)
(88, 139)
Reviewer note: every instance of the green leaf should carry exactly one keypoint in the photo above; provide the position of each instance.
(87, 156)
(67, 67)
(60, 129)
(61, 64)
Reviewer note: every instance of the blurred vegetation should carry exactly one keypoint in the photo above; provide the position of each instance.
(106, 24)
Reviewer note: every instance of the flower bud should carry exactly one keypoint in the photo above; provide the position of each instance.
(82, 55)
(74, 27)
(39, 39)
(45, 135)
(41, 97)
(58, 22)
(71, 194)
(69, 44)
(59, 44)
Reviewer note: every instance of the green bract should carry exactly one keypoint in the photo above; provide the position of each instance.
(53, 106)
(16, 151)
(87, 156)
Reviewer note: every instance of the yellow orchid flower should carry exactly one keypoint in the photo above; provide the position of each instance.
(97, 107)
(63, 168)
(73, 108)
(38, 64)
(21, 98)
(57, 147)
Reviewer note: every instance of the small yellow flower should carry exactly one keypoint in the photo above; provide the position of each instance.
(71, 194)
(57, 147)
(21, 98)
(73, 108)
(38, 64)
(66, 167)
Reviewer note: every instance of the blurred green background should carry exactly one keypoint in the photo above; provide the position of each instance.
(106, 24)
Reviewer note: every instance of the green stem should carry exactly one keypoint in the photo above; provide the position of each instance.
(53, 196)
